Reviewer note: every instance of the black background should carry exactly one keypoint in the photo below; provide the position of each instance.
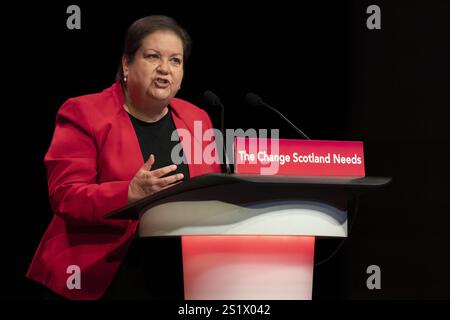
(315, 61)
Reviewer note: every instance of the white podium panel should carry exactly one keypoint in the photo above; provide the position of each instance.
(272, 217)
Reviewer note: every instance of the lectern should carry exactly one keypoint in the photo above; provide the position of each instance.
(249, 236)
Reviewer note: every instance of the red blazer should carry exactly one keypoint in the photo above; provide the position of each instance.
(92, 158)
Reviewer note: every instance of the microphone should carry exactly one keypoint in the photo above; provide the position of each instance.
(256, 101)
(212, 99)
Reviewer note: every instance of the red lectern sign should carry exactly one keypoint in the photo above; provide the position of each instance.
(299, 157)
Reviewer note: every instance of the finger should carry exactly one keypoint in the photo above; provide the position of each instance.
(170, 179)
(163, 171)
(170, 185)
(163, 183)
(148, 165)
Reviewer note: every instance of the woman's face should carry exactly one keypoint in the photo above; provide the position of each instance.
(156, 72)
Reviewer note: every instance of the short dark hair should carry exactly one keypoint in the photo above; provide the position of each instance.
(145, 26)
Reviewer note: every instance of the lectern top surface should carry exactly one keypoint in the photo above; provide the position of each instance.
(356, 185)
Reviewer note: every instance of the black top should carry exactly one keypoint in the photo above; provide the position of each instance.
(152, 267)
(155, 138)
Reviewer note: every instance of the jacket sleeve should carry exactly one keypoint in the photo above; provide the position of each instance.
(71, 164)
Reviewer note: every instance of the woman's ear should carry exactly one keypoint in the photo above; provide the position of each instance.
(125, 66)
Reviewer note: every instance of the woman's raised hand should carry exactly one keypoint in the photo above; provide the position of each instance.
(147, 182)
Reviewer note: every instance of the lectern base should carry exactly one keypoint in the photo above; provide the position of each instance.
(248, 267)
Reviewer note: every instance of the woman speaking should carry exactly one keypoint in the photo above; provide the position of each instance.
(110, 149)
